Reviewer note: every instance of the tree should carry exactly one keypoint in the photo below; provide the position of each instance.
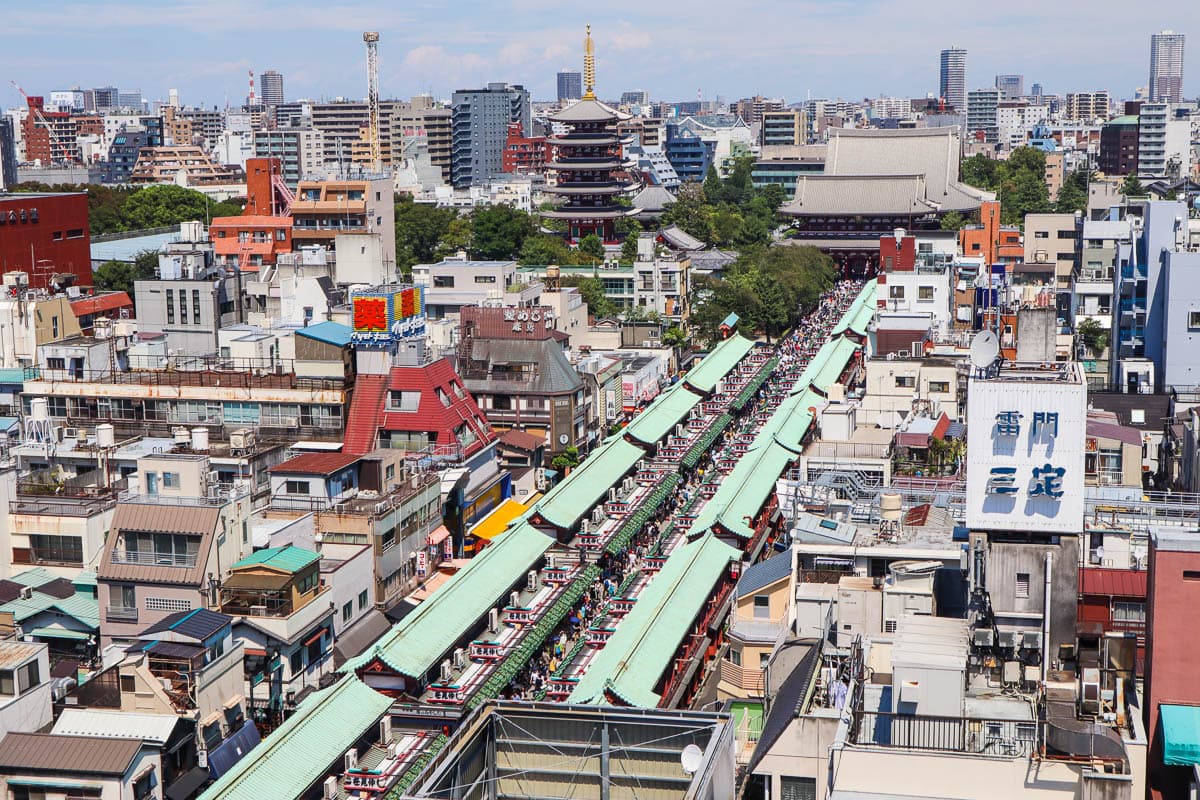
(119, 276)
(1073, 196)
(675, 337)
(629, 250)
(457, 237)
(591, 247)
(1022, 185)
(1132, 187)
(771, 313)
(499, 231)
(168, 204)
(714, 190)
(1092, 335)
(979, 171)
(566, 460)
(420, 228)
(954, 221)
(544, 249)
(592, 292)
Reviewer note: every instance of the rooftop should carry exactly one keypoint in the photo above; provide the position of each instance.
(72, 755)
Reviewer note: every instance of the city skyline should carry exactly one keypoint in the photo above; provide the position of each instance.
(425, 49)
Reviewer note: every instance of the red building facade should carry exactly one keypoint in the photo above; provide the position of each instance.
(46, 235)
(526, 155)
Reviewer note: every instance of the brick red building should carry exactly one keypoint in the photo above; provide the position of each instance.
(45, 235)
(525, 154)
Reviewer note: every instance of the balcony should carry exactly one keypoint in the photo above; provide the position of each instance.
(153, 559)
(995, 738)
(120, 614)
(275, 613)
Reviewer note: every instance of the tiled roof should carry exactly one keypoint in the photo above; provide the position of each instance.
(521, 440)
(553, 373)
(100, 303)
(70, 755)
(764, 573)
(300, 752)
(588, 111)
(366, 411)
(287, 558)
(197, 624)
(432, 415)
(315, 464)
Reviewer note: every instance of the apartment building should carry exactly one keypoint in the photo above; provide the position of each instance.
(480, 121)
(1164, 141)
(324, 209)
(189, 163)
(300, 151)
(1054, 239)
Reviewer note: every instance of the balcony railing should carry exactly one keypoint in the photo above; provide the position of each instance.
(152, 559)
(120, 614)
(997, 738)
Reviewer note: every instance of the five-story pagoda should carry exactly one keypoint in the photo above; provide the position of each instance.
(591, 173)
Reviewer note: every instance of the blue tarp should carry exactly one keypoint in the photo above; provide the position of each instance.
(229, 752)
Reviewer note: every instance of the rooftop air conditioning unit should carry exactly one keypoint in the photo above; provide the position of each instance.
(1007, 639)
(1031, 640)
(902, 354)
(26, 592)
(459, 657)
(918, 349)
(585, 526)
(258, 611)
(612, 495)
(445, 676)
(514, 599)
(597, 515)
(983, 637)
(531, 580)
(493, 620)
(70, 433)
(329, 788)
(351, 760)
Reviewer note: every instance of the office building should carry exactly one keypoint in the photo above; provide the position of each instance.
(782, 127)
(104, 98)
(1164, 142)
(270, 88)
(479, 120)
(301, 151)
(953, 84)
(131, 100)
(982, 109)
(8, 154)
(1166, 67)
(570, 85)
(1119, 146)
(637, 97)
(1011, 86)
(751, 109)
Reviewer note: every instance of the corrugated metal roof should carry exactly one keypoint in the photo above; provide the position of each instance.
(667, 410)
(861, 311)
(1112, 582)
(154, 728)
(13, 654)
(315, 464)
(744, 490)
(416, 643)
(81, 606)
(299, 753)
(67, 755)
(827, 365)
(10, 376)
(288, 558)
(764, 573)
(161, 518)
(1120, 433)
(96, 304)
(646, 641)
(719, 363)
(333, 333)
(568, 502)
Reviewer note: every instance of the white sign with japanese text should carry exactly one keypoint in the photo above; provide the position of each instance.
(1025, 448)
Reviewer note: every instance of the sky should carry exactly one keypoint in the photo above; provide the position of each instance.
(675, 49)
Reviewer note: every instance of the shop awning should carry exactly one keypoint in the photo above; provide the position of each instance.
(438, 536)
(497, 522)
(56, 632)
(187, 785)
(1181, 734)
(317, 634)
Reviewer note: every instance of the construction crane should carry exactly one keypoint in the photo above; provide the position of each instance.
(372, 40)
(37, 112)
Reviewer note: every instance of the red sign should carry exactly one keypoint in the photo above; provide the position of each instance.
(370, 314)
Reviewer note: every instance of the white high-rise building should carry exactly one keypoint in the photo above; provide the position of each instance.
(270, 88)
(953, 86)
(1166, 67)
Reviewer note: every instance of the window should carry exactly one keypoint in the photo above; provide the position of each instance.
(297, 660)
(443, 281)
(183, 310)
(403, 401)
(1194, 319)
(170, 306)
(735, 657)
(362, 599)
(1022, 584)
(485, 278)
(763, 658)
(315, 649)
(296, 487)
(75, 233)
(762, 606)
(906, 381)
(797, 788)
(196, 306)
(939, 386)
(889, 626)
(61, 549)
(502, 402)
(143, 787)
(924, 292)
(347, 611)
(1128, 611)
(170, 480)
(55, 363)
(445, 398)
(28, 676)
(8, 686)
(896, 292)
(128, 684)
(54, 326)
(1191, 575)
(1041, 234)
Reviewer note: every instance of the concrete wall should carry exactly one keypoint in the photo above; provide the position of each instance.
(801, 752)
(1005, 559)
(1181, 340)
(31, 711)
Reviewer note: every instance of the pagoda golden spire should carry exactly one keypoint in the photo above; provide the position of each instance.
(589, 67)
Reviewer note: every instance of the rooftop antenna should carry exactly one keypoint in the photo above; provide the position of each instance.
(372, 40)
(589, 66)
(985, 348)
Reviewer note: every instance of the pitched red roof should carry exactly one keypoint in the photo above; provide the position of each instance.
(521, 440)
(315, 463)
(101, 303)
(434, 416)
(366, 412)
(1112, 582)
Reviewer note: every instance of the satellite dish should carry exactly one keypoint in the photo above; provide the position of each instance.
(691, 758)
(985, 347)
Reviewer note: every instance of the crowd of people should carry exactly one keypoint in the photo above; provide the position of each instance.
(794, 352)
